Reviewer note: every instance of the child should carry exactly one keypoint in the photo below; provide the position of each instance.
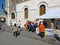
(37, 30)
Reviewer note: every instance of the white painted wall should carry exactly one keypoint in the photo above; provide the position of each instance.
(33, 8)
(49, 2)
(20, 11)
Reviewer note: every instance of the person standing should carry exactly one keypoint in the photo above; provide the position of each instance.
(57, 24)
(52, 25)
(14, 29)
(45, 23)
(11, 24)
(26, 25)
(42, 29)
(37, 30)
(32, 27)
(29, 27)
(19, 25)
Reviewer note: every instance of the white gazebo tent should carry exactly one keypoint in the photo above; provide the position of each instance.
(52, 13)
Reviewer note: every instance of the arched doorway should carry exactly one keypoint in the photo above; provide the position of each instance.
(26, 13)
(12, 15)
(42, 9)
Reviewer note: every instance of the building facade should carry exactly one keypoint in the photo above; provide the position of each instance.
(24, 10)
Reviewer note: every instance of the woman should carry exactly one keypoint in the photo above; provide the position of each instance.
(14, 30)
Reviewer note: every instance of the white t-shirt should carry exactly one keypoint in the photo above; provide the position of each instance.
(37, 30)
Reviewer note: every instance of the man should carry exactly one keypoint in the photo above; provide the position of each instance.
(42, 29)
(11, 24)
(19, 25)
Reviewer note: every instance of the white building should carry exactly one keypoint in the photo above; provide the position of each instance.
(24, 10)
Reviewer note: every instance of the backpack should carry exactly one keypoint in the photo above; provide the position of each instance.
(32, 25)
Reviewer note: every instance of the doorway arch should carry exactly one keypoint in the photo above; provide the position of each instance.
(12, 15)
(26, 13)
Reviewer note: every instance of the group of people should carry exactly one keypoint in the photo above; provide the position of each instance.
(39, 28)
(15, 28)
(52, 24)
(34, 27)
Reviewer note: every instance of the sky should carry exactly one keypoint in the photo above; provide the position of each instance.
(2, 2)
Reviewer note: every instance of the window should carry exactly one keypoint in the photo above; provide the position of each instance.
(13, 16)
(42, 10)
(26, 13)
